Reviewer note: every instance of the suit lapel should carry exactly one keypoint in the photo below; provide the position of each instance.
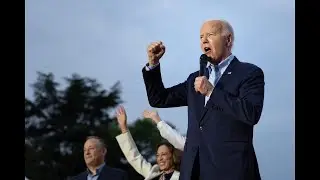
(228, 72)
(104, 173)
(84, 176)
(175, 175)
(224, 78)
(155, 171)
(199, 105)
(200, 99)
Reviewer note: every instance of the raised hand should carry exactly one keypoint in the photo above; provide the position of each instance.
(122, 119)
(155, 52)
(153, 115)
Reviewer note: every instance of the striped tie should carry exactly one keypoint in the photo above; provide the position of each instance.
(216, 78)
(217, 74)
(208, 71)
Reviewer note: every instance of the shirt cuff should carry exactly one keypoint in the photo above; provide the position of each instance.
(150, 67)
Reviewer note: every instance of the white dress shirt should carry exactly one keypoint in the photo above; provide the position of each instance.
(222, 66)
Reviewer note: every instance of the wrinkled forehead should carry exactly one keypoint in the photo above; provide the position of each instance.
(214, 26)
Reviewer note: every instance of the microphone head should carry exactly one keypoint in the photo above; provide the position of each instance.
(204, 59)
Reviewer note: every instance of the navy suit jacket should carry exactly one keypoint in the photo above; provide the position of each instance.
(107, 173)
(220, 133)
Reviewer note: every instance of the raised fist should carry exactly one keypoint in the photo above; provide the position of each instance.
(155, 52)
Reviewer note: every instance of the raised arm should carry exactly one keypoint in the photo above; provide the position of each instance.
(132, 154)
(170, 134)
(158, 95)
(166, 131)
(128, 146)
(161, 97)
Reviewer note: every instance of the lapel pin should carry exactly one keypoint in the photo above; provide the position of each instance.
(229, 72)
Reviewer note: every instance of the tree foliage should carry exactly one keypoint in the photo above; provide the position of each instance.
(57, 121)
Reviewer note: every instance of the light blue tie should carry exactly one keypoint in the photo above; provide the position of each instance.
(217, 74)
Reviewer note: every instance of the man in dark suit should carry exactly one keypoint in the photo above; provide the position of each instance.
(94, 155)
(223, 107)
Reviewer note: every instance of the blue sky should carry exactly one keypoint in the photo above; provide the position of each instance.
(102, 38)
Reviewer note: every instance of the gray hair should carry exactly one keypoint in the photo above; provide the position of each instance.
(100, 141)
(227, 29)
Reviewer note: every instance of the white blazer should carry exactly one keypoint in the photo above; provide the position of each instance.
(137, 161)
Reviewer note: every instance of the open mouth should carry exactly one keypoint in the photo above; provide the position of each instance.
(207, 49)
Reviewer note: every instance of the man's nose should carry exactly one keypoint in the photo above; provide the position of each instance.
(160, 158)
(204, 40)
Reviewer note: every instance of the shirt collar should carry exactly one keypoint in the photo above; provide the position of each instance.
(224, 62)
(98, 170)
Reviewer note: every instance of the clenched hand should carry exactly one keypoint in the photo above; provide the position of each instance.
(155, 52)
(202, 85)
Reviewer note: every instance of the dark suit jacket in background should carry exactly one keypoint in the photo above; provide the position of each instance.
(107, 173)
(220, 133)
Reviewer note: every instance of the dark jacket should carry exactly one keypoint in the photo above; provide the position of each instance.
(107, 173)
(219, 135)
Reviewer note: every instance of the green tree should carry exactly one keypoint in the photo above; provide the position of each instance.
(57, 121)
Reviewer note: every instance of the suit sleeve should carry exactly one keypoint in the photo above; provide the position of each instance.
(132, 154)
(246, 107)
(158, 95)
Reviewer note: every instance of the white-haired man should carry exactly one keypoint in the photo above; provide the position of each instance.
(223, 107)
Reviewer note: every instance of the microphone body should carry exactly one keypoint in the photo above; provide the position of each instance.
(203, 63)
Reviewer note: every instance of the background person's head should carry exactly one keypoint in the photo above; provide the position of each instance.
(216, 39)
(94, 151)
(168, 158)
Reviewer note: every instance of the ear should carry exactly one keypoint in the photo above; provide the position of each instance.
(229, 40)
(104, 151)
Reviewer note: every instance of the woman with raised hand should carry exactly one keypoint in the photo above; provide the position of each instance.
(167, 167)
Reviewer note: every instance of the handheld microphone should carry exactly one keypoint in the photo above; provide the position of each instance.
(203, 63)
